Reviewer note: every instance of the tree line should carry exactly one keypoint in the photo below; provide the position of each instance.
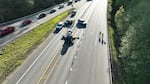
(12, 9)
(131, 22)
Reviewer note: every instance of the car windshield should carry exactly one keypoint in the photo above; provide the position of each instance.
(81, 20)
(59, 24)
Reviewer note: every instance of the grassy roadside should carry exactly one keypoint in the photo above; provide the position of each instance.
(117, 71)
(16, 52)
(117, 68)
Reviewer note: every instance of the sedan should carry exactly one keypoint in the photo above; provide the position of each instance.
(68, 22)
(59, 26)
(81, 23)
(26, 22)
(42, 15)
(6, 31)
(61, 6)
(52, 11)
(73, 13)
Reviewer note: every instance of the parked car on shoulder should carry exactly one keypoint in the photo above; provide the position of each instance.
(6, 31)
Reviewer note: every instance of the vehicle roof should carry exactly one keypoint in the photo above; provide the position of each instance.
(3, 28)
(60, 22)
(42, 14)
(61, 4)
(52, 9)
(69, 19)
(74, 10)
(81, 19)
(26, 20)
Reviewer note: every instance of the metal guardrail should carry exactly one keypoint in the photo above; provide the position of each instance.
(28, 16)
(109, 50)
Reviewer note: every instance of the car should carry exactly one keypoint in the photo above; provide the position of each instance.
(6, 31)
(60, 25)
(73, 13)
(76, 1)
(68, 22)
(61, 6)
(81, 23)
(52, 11)
(26, 22)
(69, 3)
(42, 15)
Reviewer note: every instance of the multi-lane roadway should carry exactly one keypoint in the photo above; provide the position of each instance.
(35, 22)
(86, 62)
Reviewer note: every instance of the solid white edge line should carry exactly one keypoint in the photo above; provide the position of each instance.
(66, 82)
(36, 60)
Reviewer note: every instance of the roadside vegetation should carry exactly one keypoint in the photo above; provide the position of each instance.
(16, 52)
(129, 23)
(12, 9)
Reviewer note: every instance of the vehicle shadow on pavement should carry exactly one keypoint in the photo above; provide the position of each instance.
(56, 31)
(65, 48)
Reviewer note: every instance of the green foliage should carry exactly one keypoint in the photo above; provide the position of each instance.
(132, 22)
(114, 51)
(15, 53)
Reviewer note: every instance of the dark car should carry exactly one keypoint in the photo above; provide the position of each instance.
(42, 15)
(69, 3)
(68, 22)
(25, 22)
(6, 31)
(81, 23)
(52, 11)
(76, 1)
(61, 6)
(73, 13)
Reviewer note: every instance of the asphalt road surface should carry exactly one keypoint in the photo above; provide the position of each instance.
(86, 62)
(35, 22)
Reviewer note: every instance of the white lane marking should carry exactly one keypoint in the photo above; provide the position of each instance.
(96, 40)
(70, 69)
(66, 82)
(36, 59)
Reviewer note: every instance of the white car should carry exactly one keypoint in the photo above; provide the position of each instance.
(60, 25)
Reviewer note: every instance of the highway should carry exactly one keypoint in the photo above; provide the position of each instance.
(19, 31)
(86, 62)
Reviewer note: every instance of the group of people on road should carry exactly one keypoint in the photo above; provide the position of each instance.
(101, 38)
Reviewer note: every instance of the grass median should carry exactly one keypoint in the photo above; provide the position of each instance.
(16, 52)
